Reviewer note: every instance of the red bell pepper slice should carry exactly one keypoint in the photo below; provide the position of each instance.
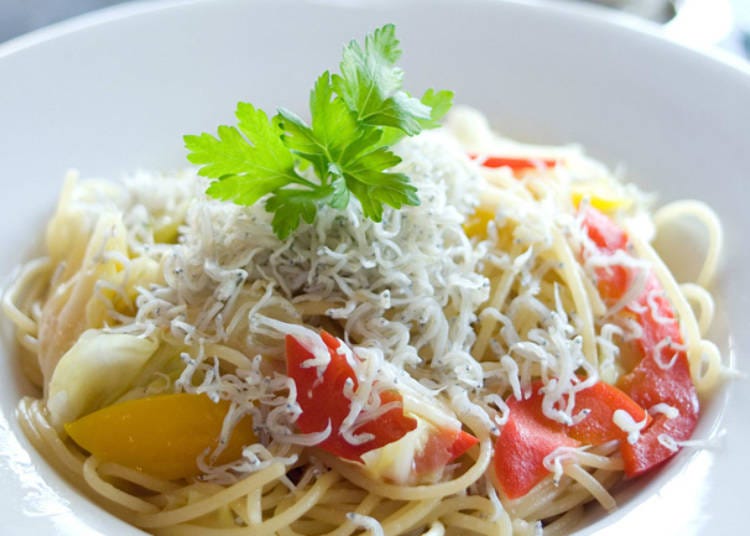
(529, 435)
(322, 399)
(524, 441)
(651, 384)
(601, 400)
(612, 281)
(608, 237)
(648, 383)
(442, 447)
(514, 163)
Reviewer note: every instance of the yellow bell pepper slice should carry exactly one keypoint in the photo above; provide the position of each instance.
(600, 199)
(476, 224)
(162, 435)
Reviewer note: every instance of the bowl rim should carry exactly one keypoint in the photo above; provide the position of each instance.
(595, 13)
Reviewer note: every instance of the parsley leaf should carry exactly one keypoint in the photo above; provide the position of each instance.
(344, 151)
(288, 205)
(370, 84)
(247, 168)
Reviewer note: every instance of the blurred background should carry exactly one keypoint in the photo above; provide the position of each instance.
(721, 23)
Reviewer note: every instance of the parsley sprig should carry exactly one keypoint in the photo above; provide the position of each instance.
(344, 151)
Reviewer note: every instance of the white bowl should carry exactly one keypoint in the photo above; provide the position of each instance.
(114, 91)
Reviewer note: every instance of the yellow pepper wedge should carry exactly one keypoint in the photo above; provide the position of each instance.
(603, 201)
(162, 435)
(476, 224)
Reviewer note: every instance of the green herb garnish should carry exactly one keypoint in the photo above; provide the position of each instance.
(356, 116)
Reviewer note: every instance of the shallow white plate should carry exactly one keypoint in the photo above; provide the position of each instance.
(114, 91)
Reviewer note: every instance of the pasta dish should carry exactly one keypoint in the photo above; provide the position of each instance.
(487, 358)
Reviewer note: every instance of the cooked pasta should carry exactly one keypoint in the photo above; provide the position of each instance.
(523, 283)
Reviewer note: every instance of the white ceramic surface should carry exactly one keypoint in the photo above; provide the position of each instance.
(114, 91)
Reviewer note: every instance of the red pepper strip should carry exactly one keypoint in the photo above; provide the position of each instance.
(525, 440)
(603, 232)
(441, 448)
(612, 281)
(515, 164)
(529, 436)
(648, 383)
(601, 400)
(461, 444)
(323, 400)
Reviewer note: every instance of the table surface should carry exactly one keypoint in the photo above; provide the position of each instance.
(21, 16)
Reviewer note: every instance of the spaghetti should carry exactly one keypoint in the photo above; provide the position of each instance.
(491, 307)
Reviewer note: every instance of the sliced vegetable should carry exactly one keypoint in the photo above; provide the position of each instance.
(323, 400)
(162, 436)
(476, 223)
(604, 232)
(601, 401)
(422, 455)
(525, 440)
(612, 281)
(529, 435)
(601, 198)
(662, 375)
(514, 163)
(73, 305)
(454, 445)
(98, 368)
(406, 446)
